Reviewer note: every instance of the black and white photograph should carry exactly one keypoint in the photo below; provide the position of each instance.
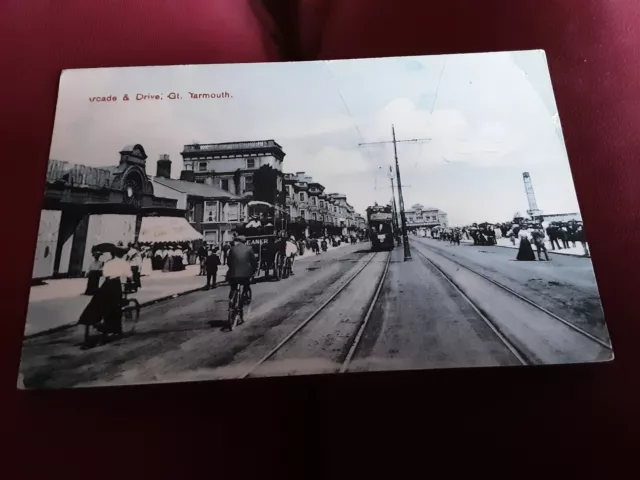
(213, 222)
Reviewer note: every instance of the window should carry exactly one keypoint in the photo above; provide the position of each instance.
(303, 214)
(188, 166)
(314, 216)
(211, 236)
(191, 212)
(233, 212)
(210, 211)
(314, 201)
(302, 196)
(321, 203)
(251, 162)
(202, 166)
(321, 218)
(248, 183)
(224, 184)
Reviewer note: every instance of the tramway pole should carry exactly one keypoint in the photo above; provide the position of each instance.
(393, 197)
(403, 218)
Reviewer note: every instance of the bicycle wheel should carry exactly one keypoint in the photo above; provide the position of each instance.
(234, 310)
(130, 315)
(287, 268)
(277, 266)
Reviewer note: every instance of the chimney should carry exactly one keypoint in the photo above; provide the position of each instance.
(188, 175)
(163, 168)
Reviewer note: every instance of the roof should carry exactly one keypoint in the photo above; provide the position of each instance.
(195, 189)
(226, 146)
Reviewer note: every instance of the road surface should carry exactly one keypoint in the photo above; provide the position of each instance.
(348, 309)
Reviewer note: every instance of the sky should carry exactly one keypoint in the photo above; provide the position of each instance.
(483, 120)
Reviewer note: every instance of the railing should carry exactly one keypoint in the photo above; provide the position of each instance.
(198, 147)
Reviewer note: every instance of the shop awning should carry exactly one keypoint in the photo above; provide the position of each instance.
(167, 229)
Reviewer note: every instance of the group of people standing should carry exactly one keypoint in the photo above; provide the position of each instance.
(534, 233)
(170, 257)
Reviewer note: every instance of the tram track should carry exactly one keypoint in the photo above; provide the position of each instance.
(344, 364)
(517, 352)
(524, 356)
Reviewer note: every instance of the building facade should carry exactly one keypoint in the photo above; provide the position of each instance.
(85, 206)
(360, 221)
(420, 217)
(212, 211)
(343, 211)
(315, 212)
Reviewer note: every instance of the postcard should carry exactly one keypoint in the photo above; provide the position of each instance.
(212, 222)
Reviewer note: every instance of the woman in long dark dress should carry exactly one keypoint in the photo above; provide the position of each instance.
(94, 272)
(525, 252)
(106, 304)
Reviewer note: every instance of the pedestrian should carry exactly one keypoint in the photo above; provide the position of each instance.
(315, 246)
(212, 263)
(134, 257)
(572, 229)
(202, 257)
(94, 272)
(225, 252)
(538, 239)
(106, 304)
(581, 237)
(158, 254)
(525, 252)
(178, 259)
(563, 235)
(147, 261)
(552, 231)
(167, 259)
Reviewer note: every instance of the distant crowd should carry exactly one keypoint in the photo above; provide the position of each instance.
(558, 235)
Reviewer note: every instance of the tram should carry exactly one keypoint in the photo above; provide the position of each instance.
(381, 231)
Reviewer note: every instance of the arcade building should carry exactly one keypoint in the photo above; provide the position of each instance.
(85, 206)
(421, 218)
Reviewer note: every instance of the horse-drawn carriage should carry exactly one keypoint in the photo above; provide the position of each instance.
(268, 242)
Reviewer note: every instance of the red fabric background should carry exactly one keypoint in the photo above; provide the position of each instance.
(311, 426)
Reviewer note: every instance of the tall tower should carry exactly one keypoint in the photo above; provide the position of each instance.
(531, 196)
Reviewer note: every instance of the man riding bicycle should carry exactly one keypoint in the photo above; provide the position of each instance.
(291, 250)
(243, 264)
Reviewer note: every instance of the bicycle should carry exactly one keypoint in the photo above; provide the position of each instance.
(130, 308)
(288, 267)
(236, 304)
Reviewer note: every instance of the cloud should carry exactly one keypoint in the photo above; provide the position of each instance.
(488, 118)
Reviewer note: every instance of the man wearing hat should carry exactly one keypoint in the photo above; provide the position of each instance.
(242, 264)
(538, 239)
(212, 263)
